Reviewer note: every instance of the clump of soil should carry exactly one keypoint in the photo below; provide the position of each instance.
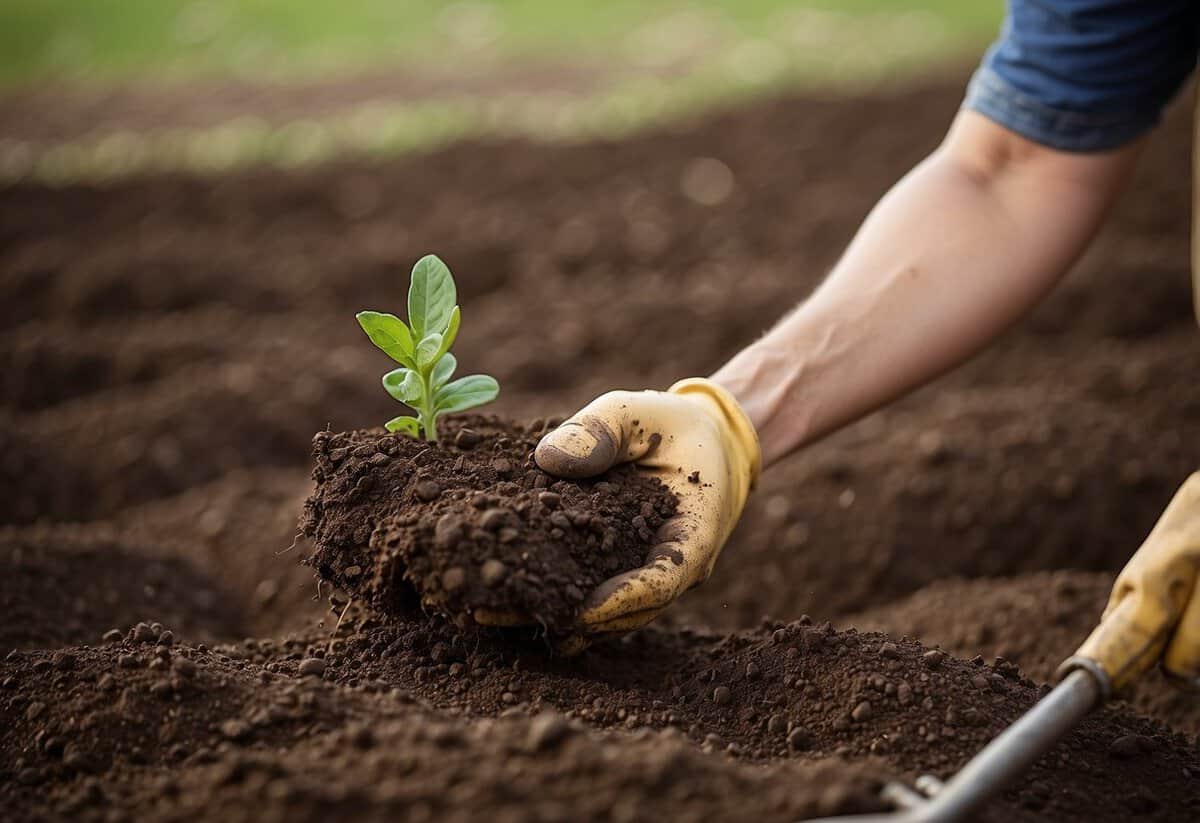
(472, 523)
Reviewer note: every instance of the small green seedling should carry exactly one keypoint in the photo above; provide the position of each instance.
(422, 348)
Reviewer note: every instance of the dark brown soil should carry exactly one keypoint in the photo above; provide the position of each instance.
(795, 692)
(242, 530)
(472, 523)
(995, 617)
(170, 345)
(66, 587)
(230, 736)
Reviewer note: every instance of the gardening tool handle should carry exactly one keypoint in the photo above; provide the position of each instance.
(1004, 759)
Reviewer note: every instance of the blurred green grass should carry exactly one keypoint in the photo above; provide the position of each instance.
(650, 63)
(104, 41)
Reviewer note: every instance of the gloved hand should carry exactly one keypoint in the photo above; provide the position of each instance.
(696, 439)
(1154, 610)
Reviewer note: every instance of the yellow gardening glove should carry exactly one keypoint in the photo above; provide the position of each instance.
(1154, 610)
(696, 439)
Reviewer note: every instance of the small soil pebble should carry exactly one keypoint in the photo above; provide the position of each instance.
(1125, 747)
(493, 572)
(466, 439)
(237, 730)
(428, 490)
(546, 730)
(799, 739)
(312, 667)
(469, 523)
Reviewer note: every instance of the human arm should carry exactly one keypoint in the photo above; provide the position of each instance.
(960, 248)
(957, 251)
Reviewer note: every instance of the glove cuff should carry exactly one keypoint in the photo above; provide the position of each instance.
(1076, 662)
(741, 431)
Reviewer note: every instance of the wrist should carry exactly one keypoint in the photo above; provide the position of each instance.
(762, 382)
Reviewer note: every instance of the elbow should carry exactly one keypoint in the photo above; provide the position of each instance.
(984, 152)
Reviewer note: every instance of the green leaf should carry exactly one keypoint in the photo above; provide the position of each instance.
(428, 349)
(404, 385)
(404, 424)
(431, 296)
(466, 393)
(388, 332)
(444, 370)
(451, 331)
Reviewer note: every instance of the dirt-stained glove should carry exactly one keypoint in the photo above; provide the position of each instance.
(1153, 613)
(696, 439)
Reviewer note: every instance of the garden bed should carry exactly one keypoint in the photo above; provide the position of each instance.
(172, 344)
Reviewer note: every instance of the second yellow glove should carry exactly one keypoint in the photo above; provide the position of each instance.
(1154, 610)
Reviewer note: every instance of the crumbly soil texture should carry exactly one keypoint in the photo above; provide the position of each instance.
(176, 647)
(472, 523)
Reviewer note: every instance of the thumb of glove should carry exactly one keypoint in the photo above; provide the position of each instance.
(583, 446)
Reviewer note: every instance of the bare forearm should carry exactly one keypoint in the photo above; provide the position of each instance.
(956, 252)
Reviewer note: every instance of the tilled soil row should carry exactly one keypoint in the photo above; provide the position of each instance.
(230, 720)
(1035, 620)
(224, 734)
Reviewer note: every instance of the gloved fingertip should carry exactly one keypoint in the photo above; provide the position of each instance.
(624, 623)
(577, 448)
(649, 588)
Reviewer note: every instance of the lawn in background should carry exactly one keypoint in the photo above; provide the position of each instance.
(648, 63)
(101, 41)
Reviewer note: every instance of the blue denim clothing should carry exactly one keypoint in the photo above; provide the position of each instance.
(1086, 75)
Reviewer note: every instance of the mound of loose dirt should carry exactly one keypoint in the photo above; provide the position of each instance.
(240, 529)
(1036, 621)
(107, 451)
(794, 690)
(471, 523)
(458, 709)
(63, 586)
(40, 367)
(231, 733)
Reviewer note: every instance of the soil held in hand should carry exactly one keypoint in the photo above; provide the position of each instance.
(471, 522)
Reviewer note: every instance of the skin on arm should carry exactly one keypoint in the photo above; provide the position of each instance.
(956, 252)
